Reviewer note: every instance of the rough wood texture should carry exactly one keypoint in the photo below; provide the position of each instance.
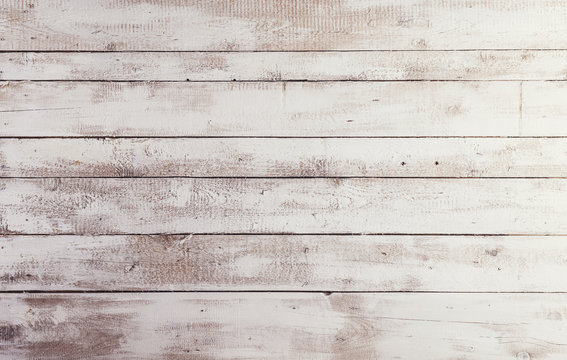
(260, 109)
(283, 326)
(278, 66)
(274, 25)
(263, 157)
(153, 205)
(283, 262)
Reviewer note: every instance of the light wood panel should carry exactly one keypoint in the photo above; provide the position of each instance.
(274, 157)
(109, 25)
(283, 262)
(544, 108)
(259, 109)
(316, 205)
(283, 326)
(278, 66)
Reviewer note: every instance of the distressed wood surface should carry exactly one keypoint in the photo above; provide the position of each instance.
(261, 109)
(274, 25)
(283, 263)
(281, 66)
(312, 205)
(266, 179)
(283, 326)
(275, 157)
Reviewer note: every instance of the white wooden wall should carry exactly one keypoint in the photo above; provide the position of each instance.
(283, 179)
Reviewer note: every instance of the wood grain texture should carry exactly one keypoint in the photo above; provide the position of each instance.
(272, 25)
(283, 263)
(316, 205)
(283, 326)
(275, 157)
(259, 109)
(282, 66)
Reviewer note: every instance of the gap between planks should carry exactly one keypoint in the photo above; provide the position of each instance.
(3, 51)
(292, 177)
(122, 81)
(283, 233)
(323, 292)
(281, 137)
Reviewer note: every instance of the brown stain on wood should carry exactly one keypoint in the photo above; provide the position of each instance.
(246, 262)
(208, 62)
(218, 261)
(107, 92)
(324, 20)
(10, 333)
(18, 277)
(359, 334)
(69, 327)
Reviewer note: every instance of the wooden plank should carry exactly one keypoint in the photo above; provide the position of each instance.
(272, 25)
(544, 108)
(283, 262)
(316, 205)
(283, 326)
(278, 66)
(259, 109)
(276, 157)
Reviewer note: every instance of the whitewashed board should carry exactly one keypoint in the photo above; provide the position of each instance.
(283, 326)
(298, 109)
(286, 65)
(252, 25)
(283, 263)
(285, 157)
(299, 205)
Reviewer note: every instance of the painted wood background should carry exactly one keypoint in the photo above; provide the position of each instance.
(265, 179)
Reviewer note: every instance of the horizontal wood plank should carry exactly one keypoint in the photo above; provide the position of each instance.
(283, 262)
(544, 108)
(274, 25)
(276, 157)
(316, 205)
(281, 66)
(283, 326)
(259, 109)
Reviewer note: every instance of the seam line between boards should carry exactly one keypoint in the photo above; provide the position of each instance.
(275, 234)
(324, 292)
(275, 51)
(110, 137)
(289, 177)
(245, 81)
